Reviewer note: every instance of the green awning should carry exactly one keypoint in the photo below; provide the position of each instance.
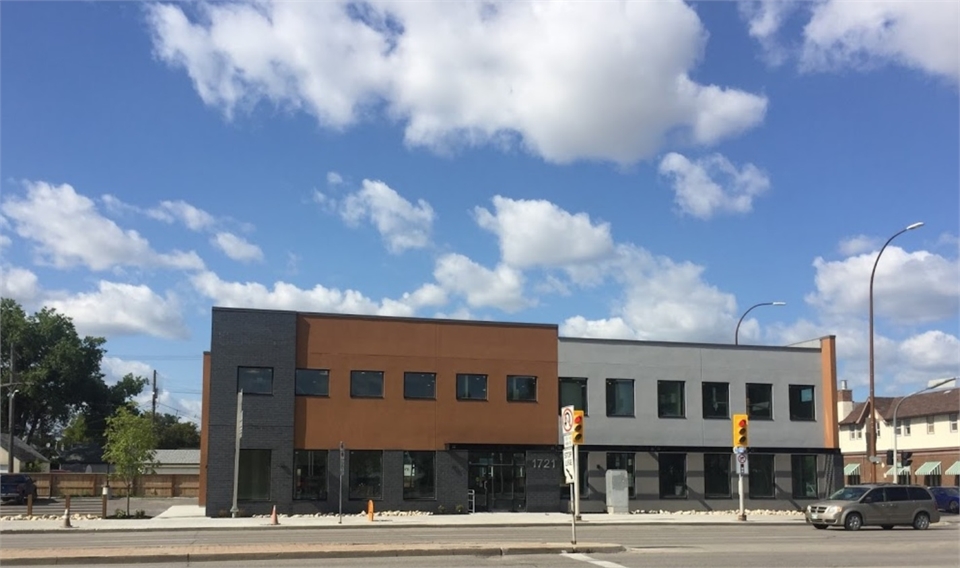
(904, 470)
(851, 469)
(953, 469)
(929, 468)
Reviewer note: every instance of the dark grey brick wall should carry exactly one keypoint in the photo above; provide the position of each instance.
(544, 471)
(256, 339)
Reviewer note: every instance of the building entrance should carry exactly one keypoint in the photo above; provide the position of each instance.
(498, 480)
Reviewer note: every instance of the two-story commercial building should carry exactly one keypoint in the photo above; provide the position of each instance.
(662, 411)
(431, 411)
(926, 427)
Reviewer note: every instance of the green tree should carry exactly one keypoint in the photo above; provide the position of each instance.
(131, 446)
(76, 432)
(174, 434)
(60, 376)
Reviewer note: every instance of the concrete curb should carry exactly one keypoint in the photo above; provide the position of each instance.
(356, 551)
(405, 526)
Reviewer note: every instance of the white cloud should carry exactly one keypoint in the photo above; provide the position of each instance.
(539, 233)
(18, 284)
(401, 224)
(194, 218)
(909, 287)
(858, 244)
(480, 286)
(68, 230)
(933, 351)
(333, 178)
(701, 195)
(122, 309)
(114, 369)
(286, 296)
(607, 81)
(236, 247)
(841, 34)
(661, 299)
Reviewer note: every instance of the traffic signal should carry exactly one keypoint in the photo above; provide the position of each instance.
(741, 423)
(906, 458)
(577, 433)
(889, 457)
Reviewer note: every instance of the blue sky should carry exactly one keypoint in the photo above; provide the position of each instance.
(637, 170)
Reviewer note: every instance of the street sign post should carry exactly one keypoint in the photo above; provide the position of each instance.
(340, 492)
(234, 510)
(743, 469)
(570, 470)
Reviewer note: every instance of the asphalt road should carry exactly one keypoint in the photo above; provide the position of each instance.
(734, 546)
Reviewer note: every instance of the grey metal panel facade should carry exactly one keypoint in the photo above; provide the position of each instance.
(646, 363)
(647, 498)
(256, 339)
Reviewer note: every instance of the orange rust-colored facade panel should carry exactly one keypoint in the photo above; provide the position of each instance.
(446, 348)
(828, 386)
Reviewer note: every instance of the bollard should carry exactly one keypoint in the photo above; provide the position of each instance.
(30, 505)
(66, 514)
(370, 510)
(273, 516)
(103, 506)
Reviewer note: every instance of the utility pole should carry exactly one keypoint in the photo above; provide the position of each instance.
(154, 403)
(12, 394)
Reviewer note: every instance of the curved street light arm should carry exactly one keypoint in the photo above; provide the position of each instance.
(736, 333)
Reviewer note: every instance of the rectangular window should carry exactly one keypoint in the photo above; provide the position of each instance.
(419, 475)
(760, 401)
(853, 433)
(521, 388)
(471, 387)
(310, 475)
(930, 425)
(253, 479)
(620, 397)
(853, 479)
(420, 385)
(312, 382)
(670, 399)
(859, 432)
(255, 380)
(624, 461)
(366, 384)
(573, 391)
(953, 422)
(804, 472)
(716, 476)
(761, 478)
(716, 400)
(366, 474)
(906, 426)
(673, 476)
(802, 405)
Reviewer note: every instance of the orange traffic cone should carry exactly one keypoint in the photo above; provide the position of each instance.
(273, 516)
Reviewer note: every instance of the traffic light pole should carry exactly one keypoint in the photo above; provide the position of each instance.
(576, 482)
(742, 515)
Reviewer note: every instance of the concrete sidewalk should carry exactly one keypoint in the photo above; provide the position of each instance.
(237, 553)
(191, 518)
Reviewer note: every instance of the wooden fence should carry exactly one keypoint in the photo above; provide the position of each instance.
(60, 484)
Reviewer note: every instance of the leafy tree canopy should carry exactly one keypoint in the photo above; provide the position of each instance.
(59, 376)
(172, 434)
(131, 446)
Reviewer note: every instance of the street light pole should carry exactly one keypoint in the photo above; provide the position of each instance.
(896, 408)
(736, 334)
(872, 417)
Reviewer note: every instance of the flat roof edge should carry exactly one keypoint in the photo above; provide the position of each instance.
(655, 343)
(407, 319)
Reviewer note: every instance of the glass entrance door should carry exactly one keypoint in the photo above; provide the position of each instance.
(498, 480)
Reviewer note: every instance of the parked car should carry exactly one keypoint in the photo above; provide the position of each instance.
(948, 498)
(16, 487)
(882, 505)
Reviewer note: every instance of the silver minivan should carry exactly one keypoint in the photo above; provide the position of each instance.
(882, 505)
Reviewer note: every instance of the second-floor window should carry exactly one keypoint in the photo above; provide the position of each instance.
(670, 403)
(366, 384)
(471, 387)
(420, 385)
(760, 401)
(716, 400)
(620, 397)
(312, 382)
(930, 427)
(255, 380)
(802, 404)
(953, 422)
(573, 392)
(521, 388)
